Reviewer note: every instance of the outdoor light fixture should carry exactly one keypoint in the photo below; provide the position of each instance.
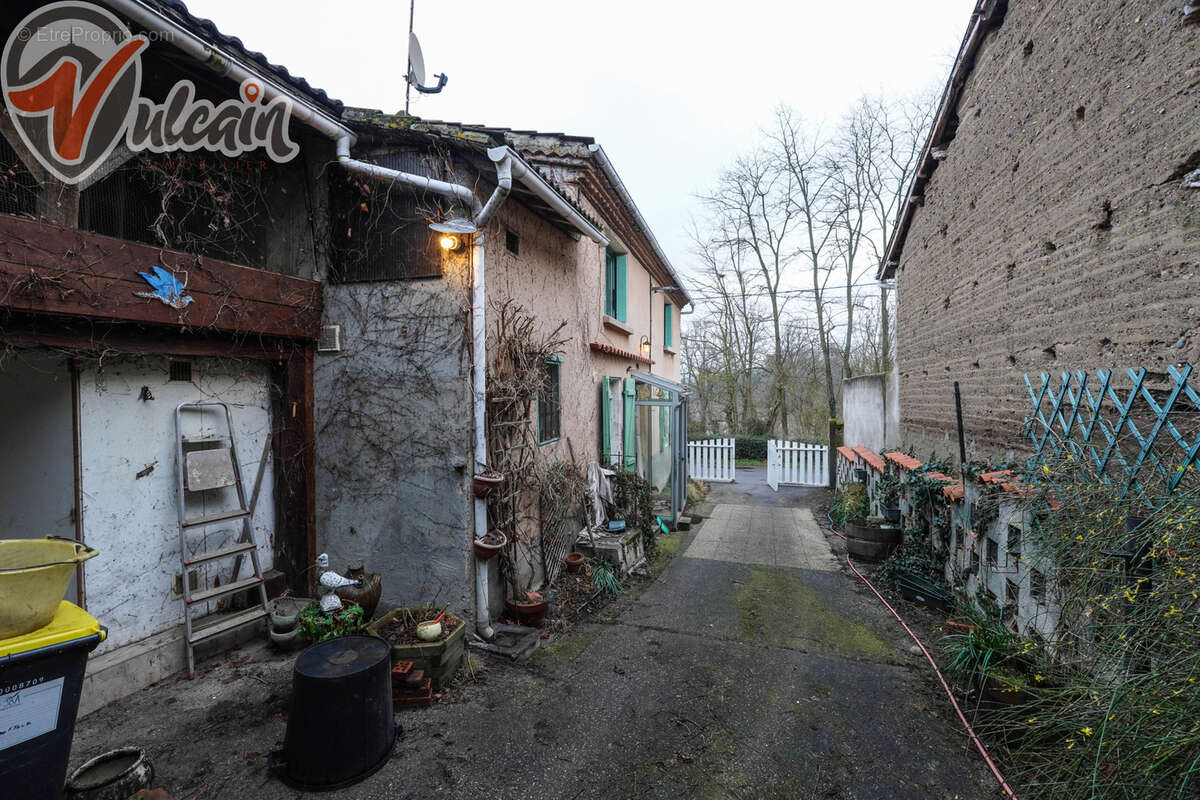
(645, 347)
(452, 231)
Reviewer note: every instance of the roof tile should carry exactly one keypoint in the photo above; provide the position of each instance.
(902, 460)
(871, 457)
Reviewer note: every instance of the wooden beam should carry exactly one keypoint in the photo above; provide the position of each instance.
(49, 269)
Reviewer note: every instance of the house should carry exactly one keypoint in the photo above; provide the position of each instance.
(413, 317)
(144, 272)
(1052, 224)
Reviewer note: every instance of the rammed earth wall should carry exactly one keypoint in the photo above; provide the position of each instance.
(1057, 233)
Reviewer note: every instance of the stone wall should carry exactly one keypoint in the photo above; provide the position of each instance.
(1056, 234)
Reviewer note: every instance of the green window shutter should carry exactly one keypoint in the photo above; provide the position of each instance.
(668, 339)
(606, 447)
(630, 425)
(620, 288)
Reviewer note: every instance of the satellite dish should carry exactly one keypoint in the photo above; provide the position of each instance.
(416, 62)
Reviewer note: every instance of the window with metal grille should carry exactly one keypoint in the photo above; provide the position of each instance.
(381, 232)
(18, 188)
(178, 370)
(549, 406)
(1037, 586)
(1014, 541)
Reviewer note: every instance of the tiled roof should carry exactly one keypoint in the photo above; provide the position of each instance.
(608, 349)
(846, 453)
(954, 492)
(902, 460)
(871, 457)
(206, 29)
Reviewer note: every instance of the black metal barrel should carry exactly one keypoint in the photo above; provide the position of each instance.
(340, 728)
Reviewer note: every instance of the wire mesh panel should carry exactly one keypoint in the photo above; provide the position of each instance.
(1139, 432)
(18, 187)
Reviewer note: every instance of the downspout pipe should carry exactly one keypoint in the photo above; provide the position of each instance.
(535, 183)
(479, 382)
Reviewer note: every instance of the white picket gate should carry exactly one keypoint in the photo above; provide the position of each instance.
(797, 464)
(712, 460)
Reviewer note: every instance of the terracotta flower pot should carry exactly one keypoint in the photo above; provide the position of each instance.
(488, 546)
(530, 614)
(366, 595)
(574, 561)
(483, 483)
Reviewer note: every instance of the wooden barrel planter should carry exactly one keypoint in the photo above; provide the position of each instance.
(871, 542)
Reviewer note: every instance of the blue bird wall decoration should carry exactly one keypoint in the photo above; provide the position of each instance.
(167, 288)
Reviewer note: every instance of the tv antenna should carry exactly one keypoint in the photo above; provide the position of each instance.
(416, 65)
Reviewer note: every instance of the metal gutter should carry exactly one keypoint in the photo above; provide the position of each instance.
(534, 182)
(610, 172)
(983, 19)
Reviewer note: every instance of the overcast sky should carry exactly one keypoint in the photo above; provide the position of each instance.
(671, 90)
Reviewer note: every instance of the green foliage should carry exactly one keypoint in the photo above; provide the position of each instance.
(922, 490)
(633, 501)
(849, 503)
(753, 448)
(604, 578)
(317, 625)
(986, 649)
(915, 556)
(887, 486)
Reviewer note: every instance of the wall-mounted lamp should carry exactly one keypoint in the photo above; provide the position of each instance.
(453, 231)
(645, 347)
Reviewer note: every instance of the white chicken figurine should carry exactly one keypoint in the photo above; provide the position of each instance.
(328, 582)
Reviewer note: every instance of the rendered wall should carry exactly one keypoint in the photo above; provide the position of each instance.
(132, 520)
(1056, 234)
(394, 437)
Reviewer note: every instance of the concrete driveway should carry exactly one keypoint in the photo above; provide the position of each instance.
(751, 667)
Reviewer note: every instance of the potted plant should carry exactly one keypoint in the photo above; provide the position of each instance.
(483, 483)
(440, 658)
(574, 561)
(489, 545)
(871, 539)
(529, 609)
(888, 490)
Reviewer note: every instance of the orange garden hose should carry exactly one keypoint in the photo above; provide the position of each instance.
(941, 678)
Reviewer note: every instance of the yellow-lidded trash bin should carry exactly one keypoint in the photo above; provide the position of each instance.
(41, 676)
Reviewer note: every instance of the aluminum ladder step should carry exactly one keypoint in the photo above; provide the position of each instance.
(220, 516)
(226, 622)
(221, 591)
(224, 552)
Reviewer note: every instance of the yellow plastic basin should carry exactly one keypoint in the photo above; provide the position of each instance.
(34, 575)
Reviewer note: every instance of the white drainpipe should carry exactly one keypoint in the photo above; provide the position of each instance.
(479, 383)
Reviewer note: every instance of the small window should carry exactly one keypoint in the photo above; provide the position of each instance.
(178, 370)
(512, 243)
(1037, 586)
(975, 560)
(993, 552)
(549, 407)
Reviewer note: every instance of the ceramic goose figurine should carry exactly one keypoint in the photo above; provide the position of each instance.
(328, 582)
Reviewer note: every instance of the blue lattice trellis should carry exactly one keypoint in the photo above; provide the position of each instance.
(1143, 439)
